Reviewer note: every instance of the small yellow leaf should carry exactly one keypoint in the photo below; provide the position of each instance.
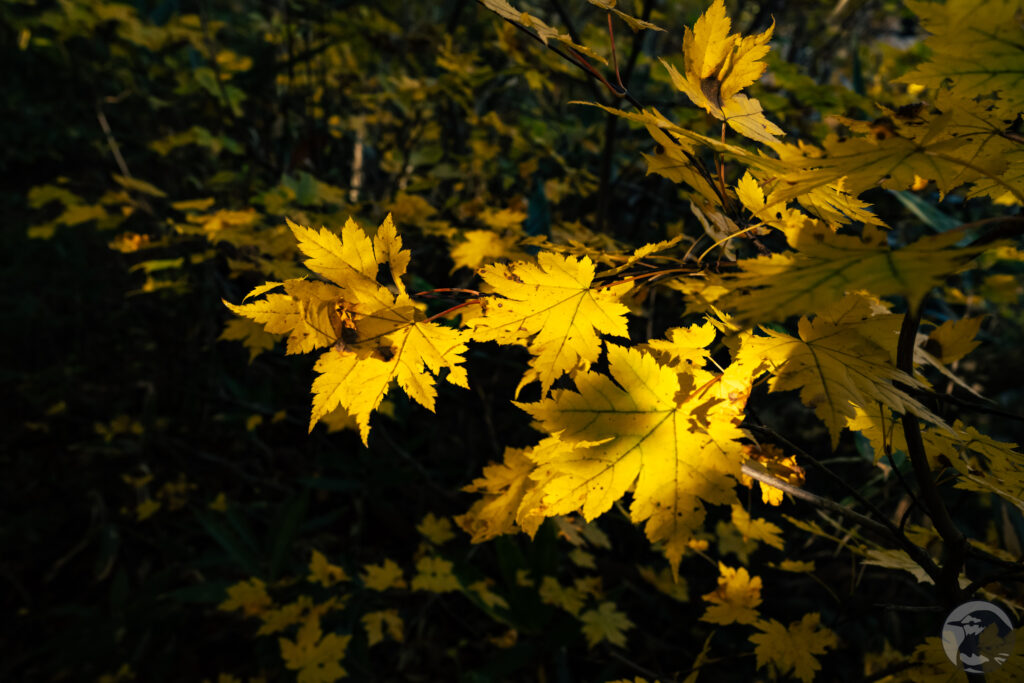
(314, 655)
(323, 572)
(757, 529)
(954, 339)
(138, 186)
(437, 530)
(489, 597)
(736, 598)
(250, 596)
(568, 598)
(375, 624)
(381, 577)
(434, 574)
(663, 581)
(605, 623)
(793, 648)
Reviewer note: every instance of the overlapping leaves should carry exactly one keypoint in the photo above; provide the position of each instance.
(379, 334)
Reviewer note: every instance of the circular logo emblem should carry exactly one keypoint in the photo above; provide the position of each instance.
(977, 636)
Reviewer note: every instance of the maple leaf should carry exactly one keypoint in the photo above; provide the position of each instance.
(951, 147)
(650, 426)
(504, 485)
(605, 623)
(380, 334)
(736, 598)
(568, 598)
(482, 589)
(553, 308)
(381, 577)
(663, 581)
(437, 530)
(303, 313)
(897, 559)
(825, 266)
(323, 572)
(249, 596)
(793, 648)
(376, 622)
(352, 260)
(752, 528)
(434, 574)
(314, 655)
(251, 334)
(954, 339)
(545, 32)
(484, 246)
(684, 345)
(976, 48)
(836, 369)
(718, 65)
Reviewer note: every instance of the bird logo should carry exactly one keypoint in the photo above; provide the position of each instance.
(978, 636)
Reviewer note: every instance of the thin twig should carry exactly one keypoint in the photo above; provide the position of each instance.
(115, 149)
(815, 500)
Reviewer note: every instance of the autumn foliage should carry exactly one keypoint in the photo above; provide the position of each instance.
(724, 394)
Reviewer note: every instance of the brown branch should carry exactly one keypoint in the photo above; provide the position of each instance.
(814, 499)
(954, 542)
(115, 149)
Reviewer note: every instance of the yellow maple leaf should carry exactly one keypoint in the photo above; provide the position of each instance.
(545, 32)
(753, 528)
(303, 313)
(437, 530)
(480, 247)
(314, 655)
(954, 339)
(663, 581)
(717, 65)
(975, 47)
(376, 622)
(381, 577)
(483, 590)
(568, 598)
(250, 596)
(897, 559)
(278, 619)
(673, 433)
(836, 370)
(826, 265)
(796, 566)
(961, 142)
(736, 598)
(684, 345)
(552, 307)
(793, 648)
(503, 486)
(605, 623)
(434, 574)
(323, 572)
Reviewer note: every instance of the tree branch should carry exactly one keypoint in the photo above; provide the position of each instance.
(954, 543)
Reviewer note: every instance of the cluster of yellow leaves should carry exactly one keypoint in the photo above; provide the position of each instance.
(378, 332)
